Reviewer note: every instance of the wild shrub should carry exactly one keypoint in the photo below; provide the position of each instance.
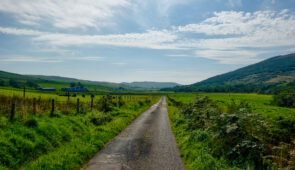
(32, 122)
(121, 102)
(2, 82)
(105, 104)
(101, 119)
(140, 103)
(243, 138)
(285, 99)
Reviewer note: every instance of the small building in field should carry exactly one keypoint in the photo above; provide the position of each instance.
(45, 89)
(75, 89)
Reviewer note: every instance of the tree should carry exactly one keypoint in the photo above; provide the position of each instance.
(31, 84)
(2, 82)
(14, 83)
(80, 85)
(73, 84)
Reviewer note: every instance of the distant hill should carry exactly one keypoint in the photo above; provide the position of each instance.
(151, 85)
(58, 82)
(265, 77)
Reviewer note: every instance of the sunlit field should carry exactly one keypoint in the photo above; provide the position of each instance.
(232, 131)
(35, 139)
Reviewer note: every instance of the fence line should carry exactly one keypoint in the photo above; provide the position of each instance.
(34, 105)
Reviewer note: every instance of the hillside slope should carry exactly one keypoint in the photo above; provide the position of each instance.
(59, 82)
(151, 85)
(260, 77)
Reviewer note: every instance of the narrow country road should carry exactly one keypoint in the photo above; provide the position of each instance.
(146, 144)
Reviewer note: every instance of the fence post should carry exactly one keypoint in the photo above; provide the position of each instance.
(12, 113)
(92, 96)
(68, 97)
(34, 106)
(78, 101)
(52, 108)
(24, 92)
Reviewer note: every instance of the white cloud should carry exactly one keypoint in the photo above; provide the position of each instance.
(30, 59)
(240, 31)
(38, 59)
(64, 13)
(152, 39)
(15, 31)
(241, 23)
(229, 37)
(230, 57)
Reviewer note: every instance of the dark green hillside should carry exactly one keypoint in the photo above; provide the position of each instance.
(280, 68)
(32, 81)
(268, 76)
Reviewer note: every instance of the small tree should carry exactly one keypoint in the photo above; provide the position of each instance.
(73, 84)
(80, 85)
(2, 82)
(104, 104)
(285, 99)
(14, 83)
(31, 84)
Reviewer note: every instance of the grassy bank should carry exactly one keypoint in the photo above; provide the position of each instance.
(66, 140)
(233, 131)
(194, 152)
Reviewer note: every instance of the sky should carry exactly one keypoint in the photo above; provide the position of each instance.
(183, 41)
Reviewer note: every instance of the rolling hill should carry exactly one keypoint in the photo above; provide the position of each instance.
(59, 82)
(268, 76)
(151, 85)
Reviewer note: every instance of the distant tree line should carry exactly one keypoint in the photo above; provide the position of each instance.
(73, 84)
(285, 98)
(18, 84)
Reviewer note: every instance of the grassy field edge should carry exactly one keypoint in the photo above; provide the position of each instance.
(193, 153)
(77, 153)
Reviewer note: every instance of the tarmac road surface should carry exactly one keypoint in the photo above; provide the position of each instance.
(146, 144)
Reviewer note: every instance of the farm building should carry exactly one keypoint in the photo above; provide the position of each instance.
(45, 89)
(75, 89)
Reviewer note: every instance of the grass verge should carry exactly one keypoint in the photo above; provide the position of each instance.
(64, 141)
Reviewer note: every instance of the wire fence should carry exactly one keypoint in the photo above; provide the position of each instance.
(21, 105)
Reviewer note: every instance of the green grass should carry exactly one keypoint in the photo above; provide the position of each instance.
(194, 153)
(194, 145)
(66, 141)
(259, 103)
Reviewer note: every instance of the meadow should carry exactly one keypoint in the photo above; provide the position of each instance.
(67, 138)
(259, 103)
(232, 131)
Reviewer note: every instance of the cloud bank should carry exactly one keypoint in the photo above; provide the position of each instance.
(230, 37)
(65, 13)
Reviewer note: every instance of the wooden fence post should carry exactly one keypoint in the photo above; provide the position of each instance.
(24, 92)
(68, 97)
(52, 108)
(78, 103)
(34, 106)
(12, 113)
(92, 96)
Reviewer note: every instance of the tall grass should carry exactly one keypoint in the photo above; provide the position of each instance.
(65, 141)
(231, 136)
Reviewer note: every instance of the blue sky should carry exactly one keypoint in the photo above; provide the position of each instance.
(182, 41)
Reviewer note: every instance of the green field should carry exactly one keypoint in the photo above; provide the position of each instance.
(196, 130)
(66, 139)
(259, 103)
